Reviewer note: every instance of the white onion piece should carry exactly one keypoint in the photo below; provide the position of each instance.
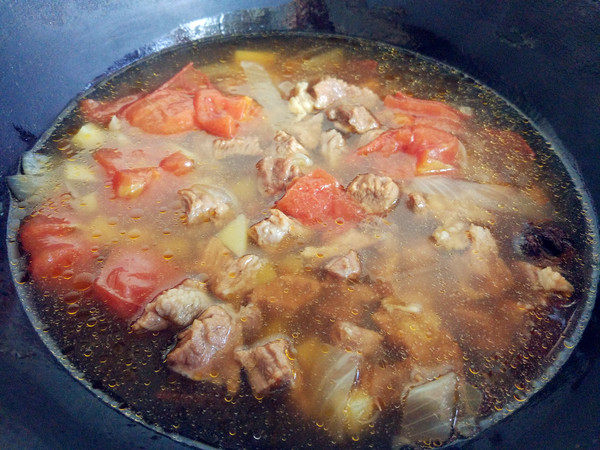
(492, 197)
(34, 163)
(266, 94)
(429, 411)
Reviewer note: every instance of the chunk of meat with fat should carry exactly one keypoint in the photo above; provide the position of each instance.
(229, 278)
(178, 307)
(452, 236)
(376, 194)
(239, 146)
(333, 146)
(204, 203)
(205, 350)
(344, 266)
(287, 145)
(545, 279)
(355, 338)
(272, 230)
(274, 174)
(268, 366)
(308, 130)
(329, 90)
(302, 102)
(352, 118)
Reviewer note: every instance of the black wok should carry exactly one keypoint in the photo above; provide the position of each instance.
(542, 56)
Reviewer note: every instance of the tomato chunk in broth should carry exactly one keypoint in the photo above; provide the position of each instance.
(336, 244)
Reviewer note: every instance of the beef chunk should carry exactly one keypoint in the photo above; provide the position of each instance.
(176, 307)
(452, 236)
(357, 339)
(546, 279)
(376, 194)
(241, 146)
(268, 366)
(287, 145)
(329, 90)
(352, 118)
(204, 203)
(229, 278)
(333, 146)
(207, 348)
(275, 174)
(272, 230)
(345, 266)
(302, 102)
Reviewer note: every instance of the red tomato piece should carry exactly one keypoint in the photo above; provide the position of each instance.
(102, 112)
(421, 107)
(177, 163)
(53, 262)
(188, 79)
(130, 183)
(436, 150)
(164, 111)
(130, 279)
(108, 158)
(221, 115)
(318, 198)
(40, 231)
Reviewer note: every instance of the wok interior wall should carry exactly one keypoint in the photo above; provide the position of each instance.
(542, 56)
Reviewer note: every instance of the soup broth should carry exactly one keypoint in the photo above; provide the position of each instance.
(292, 241)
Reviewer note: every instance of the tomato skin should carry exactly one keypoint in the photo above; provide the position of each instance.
(130, 279)
(41, 231)
(102, 112)
(108, 159)
(188, 80)
(56, 249)
(436, 150)
(221, 115)
(164, 111)
(177, 163)
(422, 107)
(318, 198)
(130, 183)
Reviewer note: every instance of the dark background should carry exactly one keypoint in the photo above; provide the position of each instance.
(542, 56)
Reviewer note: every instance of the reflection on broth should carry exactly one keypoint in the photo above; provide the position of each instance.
(293, 241)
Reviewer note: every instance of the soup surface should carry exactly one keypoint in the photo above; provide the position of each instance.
(300, 241)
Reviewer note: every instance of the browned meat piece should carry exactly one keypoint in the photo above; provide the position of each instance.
(330, 90)
(546, 279)
(287, 145)
(272, 230)
(268, 366)
(308, 130)
(376, 194)
(204, 350)
(357, 339)
(176, 307)
(204, 203)
(301, 103)
(352, 118)
(333, 146)
(229, 278)
(420, 335)
(237, 279)
(285, 295)
(452, 236)
(274, 174)
(345, 267)
(416, 202)
(242, 146)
